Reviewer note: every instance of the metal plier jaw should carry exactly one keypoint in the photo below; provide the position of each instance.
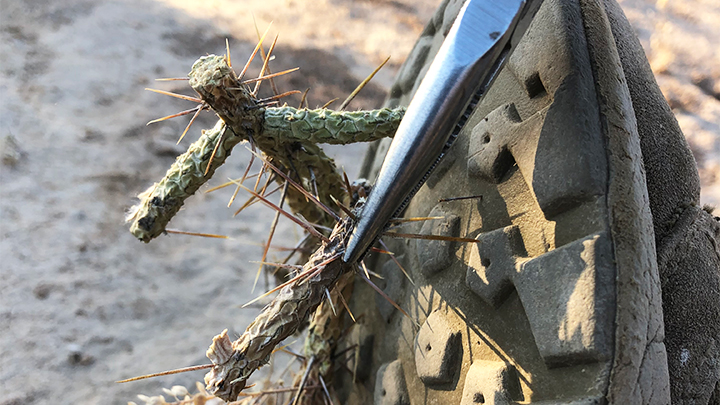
(480, 41)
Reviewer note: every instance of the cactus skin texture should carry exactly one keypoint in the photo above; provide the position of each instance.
(333, 127)
(217, 85)
(289, 138)
(159, 203)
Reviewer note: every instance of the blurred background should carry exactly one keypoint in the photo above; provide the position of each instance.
(82, 303)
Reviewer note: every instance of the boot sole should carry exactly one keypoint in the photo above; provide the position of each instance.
(559, 301)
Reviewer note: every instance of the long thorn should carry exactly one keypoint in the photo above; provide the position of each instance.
(242, 179)
(263, 105)
(346, 368)
(307, 273)
(367, 273)
(187, 128)
(292, 280)
(277, 349)
(372, 273)
(292, 353)
(170, 79)
(228, 183)
(252, 56)
(382, 251)
(204, 235)
(277, 96)
(388, 299)
(176, 371)
(270, 236)
(470, 197)
(227, 53)
(343, 351)
(397, 262)
(413, 219)
(313, 179)
(252, 200)
(298, 247)
(347, 308)
(345, 209)
(329, 297)
(315, 272)
(265, 64)
(303, 99)
(298, 187)
(304, 379)
(268, 76)
(277, 391)
(322, 381)
(430, 237)
(180, 114)
(263, 169)
(284, 265)
(262, 53)
(293, 218)
(361, 85)
(268, 181)
(217, 146)
(180, 96)
(348, 186)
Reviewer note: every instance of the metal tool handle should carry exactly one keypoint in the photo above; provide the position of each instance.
(471, 55)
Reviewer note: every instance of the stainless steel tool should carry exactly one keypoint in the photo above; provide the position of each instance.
(479, 43)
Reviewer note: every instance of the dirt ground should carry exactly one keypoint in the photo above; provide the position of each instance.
(82, 303)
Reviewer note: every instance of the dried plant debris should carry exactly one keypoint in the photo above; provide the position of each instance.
(180, 395)
(287, 136)
(159, 203)
(333, 127)
(234, 362)
(318, 291)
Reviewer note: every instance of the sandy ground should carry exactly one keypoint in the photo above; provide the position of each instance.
(82, 303)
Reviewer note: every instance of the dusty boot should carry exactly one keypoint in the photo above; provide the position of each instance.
(574, 178)
(686, 236)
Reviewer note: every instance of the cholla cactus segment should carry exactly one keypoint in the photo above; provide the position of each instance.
(286, 135)
(326, 328)
(333, 127)
(159, 203)
(214, 80)
(278, 320)
(217, 85)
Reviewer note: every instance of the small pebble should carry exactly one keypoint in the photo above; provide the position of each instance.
(10, 153)
(42, 291)
(77, 357)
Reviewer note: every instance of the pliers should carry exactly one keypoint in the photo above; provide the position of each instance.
(479, 43)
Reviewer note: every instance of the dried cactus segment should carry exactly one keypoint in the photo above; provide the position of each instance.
(317, 171)
(333, 127)
(221, 348)
(217, 85)
(278, 320)
(326, 328)
(159, 203)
